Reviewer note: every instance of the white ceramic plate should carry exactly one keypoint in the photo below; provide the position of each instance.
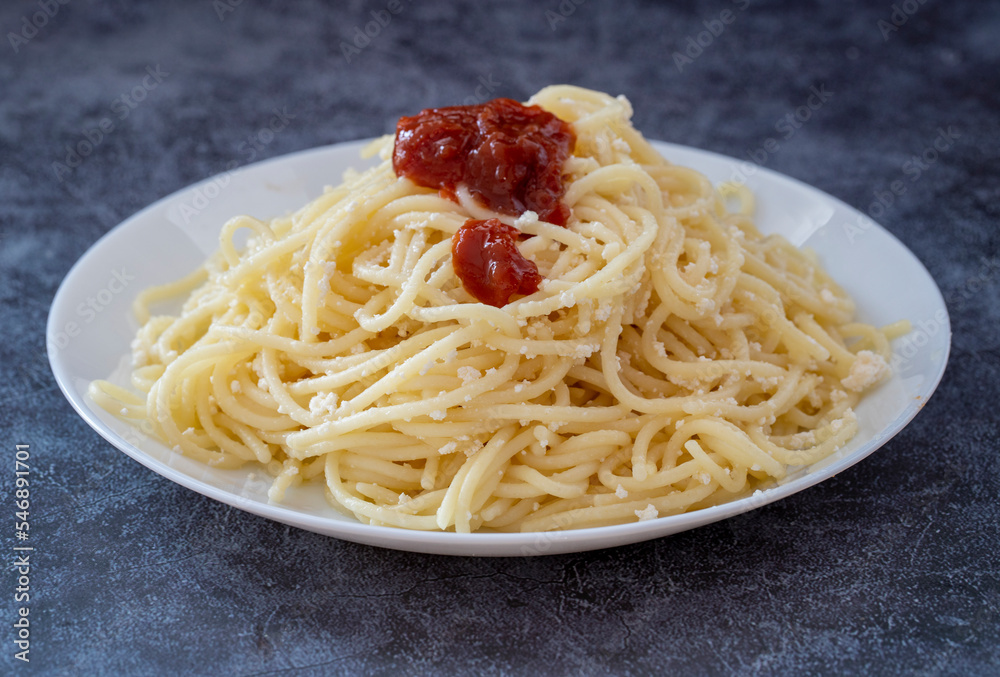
(91, 325)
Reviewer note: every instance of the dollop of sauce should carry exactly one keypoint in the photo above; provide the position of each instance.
(509, 156)
(487, 261)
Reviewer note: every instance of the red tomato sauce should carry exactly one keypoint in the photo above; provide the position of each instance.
(509, 156)
(487, 261)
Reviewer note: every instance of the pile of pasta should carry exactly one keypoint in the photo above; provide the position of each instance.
(673, 357)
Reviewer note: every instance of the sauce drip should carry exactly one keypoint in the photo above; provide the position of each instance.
(487, 261)
(508, 155)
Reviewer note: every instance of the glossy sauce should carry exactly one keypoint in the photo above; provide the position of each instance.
(509, 156)
(487, 261)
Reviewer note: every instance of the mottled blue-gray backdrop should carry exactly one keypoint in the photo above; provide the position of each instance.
(891, 566)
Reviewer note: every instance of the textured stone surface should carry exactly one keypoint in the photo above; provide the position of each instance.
(889, 567)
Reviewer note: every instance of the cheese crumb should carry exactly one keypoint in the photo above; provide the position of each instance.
(815, 399)
(849, 417)
(868, 368)
(648, 513)
(524, 219)
(323, 403)
(620, 492)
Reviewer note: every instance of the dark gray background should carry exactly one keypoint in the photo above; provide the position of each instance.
(889, 567)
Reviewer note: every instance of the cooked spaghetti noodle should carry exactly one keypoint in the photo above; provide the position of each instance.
(672, 358)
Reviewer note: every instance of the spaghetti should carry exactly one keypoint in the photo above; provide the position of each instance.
(672, 357)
